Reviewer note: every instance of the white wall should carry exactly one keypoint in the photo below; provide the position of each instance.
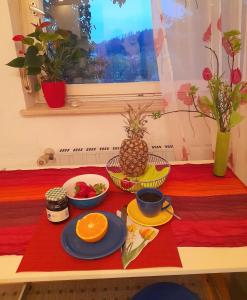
(23, 140)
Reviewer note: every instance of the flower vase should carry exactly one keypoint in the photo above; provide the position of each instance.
(221, 153)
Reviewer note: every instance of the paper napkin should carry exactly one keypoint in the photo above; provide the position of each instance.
(138, 237)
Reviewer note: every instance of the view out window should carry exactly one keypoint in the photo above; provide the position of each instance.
(117, 34)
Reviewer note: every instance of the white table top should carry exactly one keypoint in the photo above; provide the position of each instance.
(195, 260)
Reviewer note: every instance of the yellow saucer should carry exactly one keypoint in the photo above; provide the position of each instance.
(136, 215)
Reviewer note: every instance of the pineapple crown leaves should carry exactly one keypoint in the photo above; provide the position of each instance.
(135, 120)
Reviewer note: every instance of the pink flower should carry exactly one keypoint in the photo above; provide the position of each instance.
(219, 24)
(207, 34)
(227, 46)
(159, 40)
(18, 38)
(236, 76)
(183, 94)
(207, 74)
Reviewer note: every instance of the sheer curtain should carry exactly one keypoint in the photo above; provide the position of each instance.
(182, 29)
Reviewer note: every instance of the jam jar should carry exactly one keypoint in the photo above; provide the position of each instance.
(56, 205)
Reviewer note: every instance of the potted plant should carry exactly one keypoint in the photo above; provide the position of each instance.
(226, 96)
(47, 54)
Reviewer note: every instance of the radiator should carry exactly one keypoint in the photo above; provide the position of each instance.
(100, 155)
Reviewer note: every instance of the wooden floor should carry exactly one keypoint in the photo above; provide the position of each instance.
(207, 287)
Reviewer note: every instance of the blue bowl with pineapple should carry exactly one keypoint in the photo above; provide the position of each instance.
(86, 191)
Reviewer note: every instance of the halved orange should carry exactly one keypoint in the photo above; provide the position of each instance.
(92, 227)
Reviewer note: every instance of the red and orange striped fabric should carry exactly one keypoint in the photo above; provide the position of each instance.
(207, 204)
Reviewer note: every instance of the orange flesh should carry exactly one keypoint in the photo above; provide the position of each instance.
(92, 227)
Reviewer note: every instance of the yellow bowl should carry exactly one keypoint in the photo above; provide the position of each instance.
(155, 174)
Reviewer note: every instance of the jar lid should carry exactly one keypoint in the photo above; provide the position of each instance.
(55, 194)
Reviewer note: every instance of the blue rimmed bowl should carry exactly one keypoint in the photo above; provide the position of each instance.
(90, 179)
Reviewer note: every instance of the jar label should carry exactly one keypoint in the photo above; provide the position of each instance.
(57, 216)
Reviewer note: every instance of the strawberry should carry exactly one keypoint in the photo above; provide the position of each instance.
(81, 192)
(91, 194)
(80, 183)
(126, 183)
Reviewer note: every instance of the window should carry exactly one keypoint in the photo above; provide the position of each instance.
(119, 39)
(121, 62)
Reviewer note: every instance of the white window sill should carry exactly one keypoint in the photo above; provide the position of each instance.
(90, 107)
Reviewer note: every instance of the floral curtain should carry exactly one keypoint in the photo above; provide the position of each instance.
(184, 33)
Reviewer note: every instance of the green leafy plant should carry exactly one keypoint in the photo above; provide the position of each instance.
(226, 96)
(47, 53)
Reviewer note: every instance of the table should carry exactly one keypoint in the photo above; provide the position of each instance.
(200, 260)
(195, 261)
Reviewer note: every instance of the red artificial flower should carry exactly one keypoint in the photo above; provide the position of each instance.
(207, 34)
(18, 38)
(42, 25)
(227, 46)
(207, 74)
(45, 24)
(236, 76)
(183, 94)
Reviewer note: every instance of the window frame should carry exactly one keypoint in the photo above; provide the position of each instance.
(133, 92)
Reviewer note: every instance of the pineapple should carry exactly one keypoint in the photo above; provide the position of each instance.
(134, 150)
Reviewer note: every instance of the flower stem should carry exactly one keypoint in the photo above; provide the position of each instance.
(233, 60)
(185, 110)
(228, 60)
(216, 57)
(200, 112)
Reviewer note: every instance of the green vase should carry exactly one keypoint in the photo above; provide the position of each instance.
(221, 153)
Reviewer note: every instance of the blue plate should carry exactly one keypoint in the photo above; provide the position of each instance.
(113, 240)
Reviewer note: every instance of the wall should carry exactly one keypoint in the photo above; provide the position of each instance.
(24, 139)
(239, 147)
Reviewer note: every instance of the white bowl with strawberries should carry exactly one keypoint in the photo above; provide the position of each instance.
(86, 191)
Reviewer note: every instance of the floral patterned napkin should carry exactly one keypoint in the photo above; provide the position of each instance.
(138, 237)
